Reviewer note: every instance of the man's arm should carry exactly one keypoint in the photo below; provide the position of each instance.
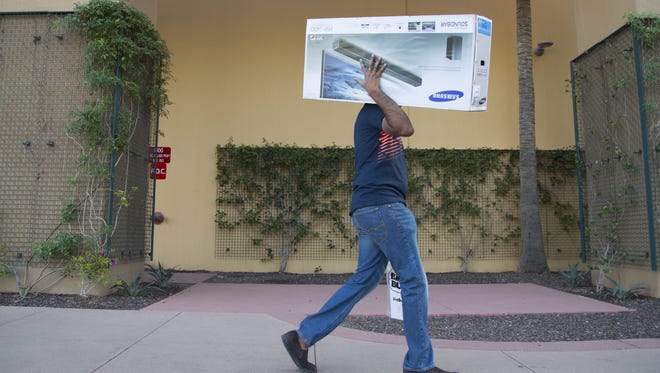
(396, 122)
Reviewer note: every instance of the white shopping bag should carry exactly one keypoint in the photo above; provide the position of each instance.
(395, 304)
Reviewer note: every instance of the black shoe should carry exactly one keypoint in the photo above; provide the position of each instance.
(434, 370)
(298, 355)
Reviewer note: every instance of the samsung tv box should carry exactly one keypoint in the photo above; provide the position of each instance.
(434, 61)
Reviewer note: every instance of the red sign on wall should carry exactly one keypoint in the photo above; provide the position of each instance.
(159, 157)
(159, 172)
(162, 154)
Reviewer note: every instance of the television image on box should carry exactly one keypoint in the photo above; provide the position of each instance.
(338, 79)
(340, 56)
(358, 54)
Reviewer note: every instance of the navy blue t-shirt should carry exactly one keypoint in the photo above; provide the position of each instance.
(381, 175)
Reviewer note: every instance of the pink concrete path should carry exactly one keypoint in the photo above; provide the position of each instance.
(291, 303)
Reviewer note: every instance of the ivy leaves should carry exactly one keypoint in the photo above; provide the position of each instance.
(126, 71)
(123, 49)
(119, 34)
(646, 27)
(280, 189)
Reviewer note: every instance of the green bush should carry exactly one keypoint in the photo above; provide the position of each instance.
(136, 287)
(62, 246)
(574, 277)
(619, 292)
(91, 267)
(161, 276)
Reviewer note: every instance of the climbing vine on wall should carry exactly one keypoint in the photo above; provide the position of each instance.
(281, 190)
(616, 106)
(126, 71)
(447, 186)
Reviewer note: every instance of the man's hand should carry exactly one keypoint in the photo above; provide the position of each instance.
(395, 122)
(372, 73)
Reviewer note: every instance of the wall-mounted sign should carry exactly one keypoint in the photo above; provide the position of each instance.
(159, 157)
(159, 172)
(162, 154)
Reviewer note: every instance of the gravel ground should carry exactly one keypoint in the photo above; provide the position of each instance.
(644, 322)
(116, 301)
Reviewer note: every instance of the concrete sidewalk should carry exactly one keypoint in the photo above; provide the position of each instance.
(235, 328)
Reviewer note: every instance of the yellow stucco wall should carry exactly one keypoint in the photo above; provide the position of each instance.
(218, 45)
(596, 19)
(36, 5)
(70, 285)
(147, 6)
(238, 74)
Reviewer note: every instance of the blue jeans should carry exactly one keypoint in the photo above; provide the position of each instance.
(387, 232)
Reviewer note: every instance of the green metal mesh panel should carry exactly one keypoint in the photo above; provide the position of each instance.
(132, 238)
(651, 69)
(42, 82)
(611, 143)
(248, 243)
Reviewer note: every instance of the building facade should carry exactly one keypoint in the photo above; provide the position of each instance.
(237, 68)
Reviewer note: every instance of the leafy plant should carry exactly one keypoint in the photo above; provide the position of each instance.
(465, 259)
(62, 246)
(613, 163)
(136, 287)
(646, 27)
(610, 174)
(280, 189)
(125, 55)
(160, 275)
(268, 255)
(619, 292)
(574, 276)
(604, 231)
(92, 269)
(123, 51)
(449, 186)
(5, 269)
(49, 254)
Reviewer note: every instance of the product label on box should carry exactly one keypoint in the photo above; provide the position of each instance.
(485, 26)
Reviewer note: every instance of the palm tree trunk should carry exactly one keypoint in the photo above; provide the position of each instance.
(532, 253)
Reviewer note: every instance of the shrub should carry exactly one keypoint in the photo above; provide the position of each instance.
(619, 292)
(574, 277)
(135, 288)
(161, 276)
(91, 267)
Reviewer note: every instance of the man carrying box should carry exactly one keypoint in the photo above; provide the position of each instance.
(387, 231)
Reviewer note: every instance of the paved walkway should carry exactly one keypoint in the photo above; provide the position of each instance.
(235, 328)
